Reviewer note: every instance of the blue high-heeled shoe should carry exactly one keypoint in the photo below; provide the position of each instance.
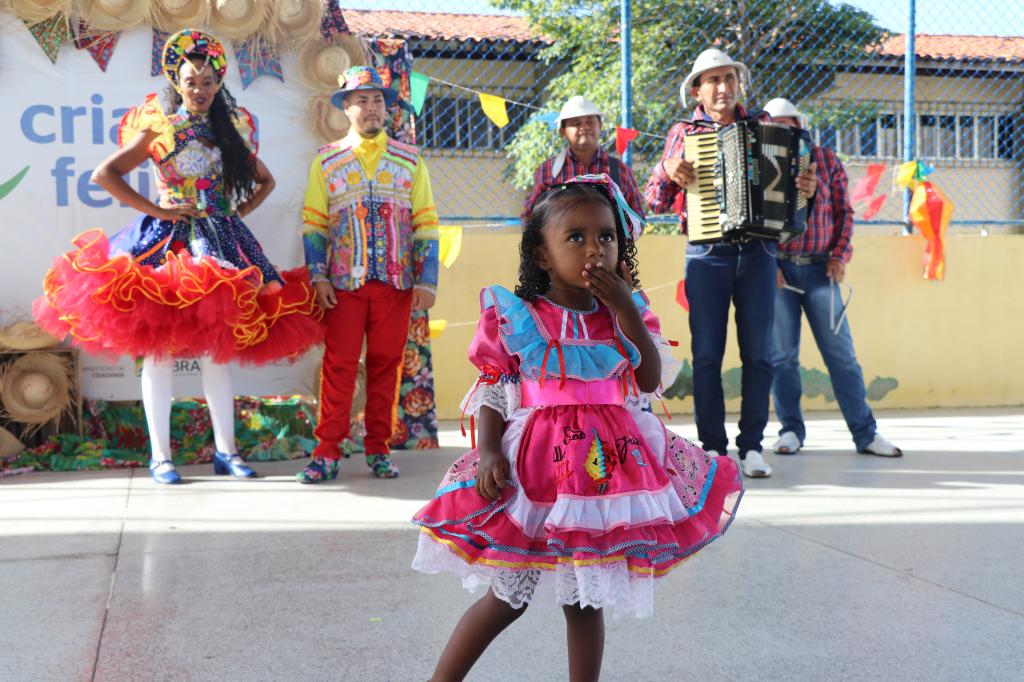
(222, 465)
(167, 477)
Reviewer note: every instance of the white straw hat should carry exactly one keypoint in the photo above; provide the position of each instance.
(36, 388)
(111, 15)
(321, 63)
(239, 19)
(577, 106)
(37, 11)
(9, 444)
(780, 106)
(26, 336)
(328, 122)
(174, 15)
(295, 20)
(712, 58)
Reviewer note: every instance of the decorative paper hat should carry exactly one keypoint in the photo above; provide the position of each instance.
(296, 20)
(320, 63)
(37, 11)
(239, 19)
(631, 223)
(26, 336)
(712, 58)
(327, 122)
(190, 43)
(36, 388)
(111, 15)
(362, 78)
(9, 444)
(174, 15)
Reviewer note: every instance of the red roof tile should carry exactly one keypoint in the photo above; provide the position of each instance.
(965, 48)
(440, 25)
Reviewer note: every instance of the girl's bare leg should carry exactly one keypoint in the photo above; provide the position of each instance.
(478, 627)
(585, 634)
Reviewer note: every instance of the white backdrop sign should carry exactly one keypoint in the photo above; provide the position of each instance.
(59, 122)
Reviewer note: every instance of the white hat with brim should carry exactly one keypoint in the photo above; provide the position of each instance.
(709, 59)
(780, 106)
(36, 388)
(175, 15)
(577, 106)
(112, 15)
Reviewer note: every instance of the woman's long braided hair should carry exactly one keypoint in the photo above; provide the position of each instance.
(534, 282)
(237, 161)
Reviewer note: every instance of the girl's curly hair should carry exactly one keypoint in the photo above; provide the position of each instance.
(534, 282)
(237, 161)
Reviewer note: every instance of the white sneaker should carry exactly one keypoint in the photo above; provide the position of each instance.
(754, 465)
(787, 444)
(882, 447)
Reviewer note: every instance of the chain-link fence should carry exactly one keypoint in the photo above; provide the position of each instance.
(842, 63)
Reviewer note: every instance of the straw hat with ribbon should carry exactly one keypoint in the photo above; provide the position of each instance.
(294, 21)
(37, 11)
(327, 122)
(111, 15)
(239, 19)
(174, 15)
(321, 63)
(9, 444)
(26, 336)
(36, 388)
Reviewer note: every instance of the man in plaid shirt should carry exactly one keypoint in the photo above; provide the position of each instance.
(810, 270)
(579, 123)
(719, 274)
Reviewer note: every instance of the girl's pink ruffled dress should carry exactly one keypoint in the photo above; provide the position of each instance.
(603, 499)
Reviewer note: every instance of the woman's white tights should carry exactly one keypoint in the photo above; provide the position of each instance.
(157, 380)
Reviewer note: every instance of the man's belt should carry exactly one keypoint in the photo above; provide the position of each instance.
(801, 259)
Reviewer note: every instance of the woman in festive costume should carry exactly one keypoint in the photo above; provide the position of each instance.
(572, 494)
(186, 278)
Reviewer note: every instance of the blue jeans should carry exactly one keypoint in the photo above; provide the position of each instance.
(836, 349)
(717, 275)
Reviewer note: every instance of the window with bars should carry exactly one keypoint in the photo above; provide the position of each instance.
(458, 122)
(949, 136)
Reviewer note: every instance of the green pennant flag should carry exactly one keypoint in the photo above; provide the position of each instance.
(50, 35)
(418, 90)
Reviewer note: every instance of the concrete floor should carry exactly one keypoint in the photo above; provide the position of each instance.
(840, 567)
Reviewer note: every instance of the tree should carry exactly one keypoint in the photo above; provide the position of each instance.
(794, 48)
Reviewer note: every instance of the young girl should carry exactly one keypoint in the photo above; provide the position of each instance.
(572, 493)
(187, 278)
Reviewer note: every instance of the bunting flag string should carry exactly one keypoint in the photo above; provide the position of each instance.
(257, 60)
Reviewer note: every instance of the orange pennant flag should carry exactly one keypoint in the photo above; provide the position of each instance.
(494, 109)
(930, 212)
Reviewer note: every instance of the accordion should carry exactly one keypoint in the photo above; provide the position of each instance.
(745, 182)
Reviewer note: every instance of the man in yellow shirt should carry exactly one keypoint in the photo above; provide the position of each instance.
(370, 236)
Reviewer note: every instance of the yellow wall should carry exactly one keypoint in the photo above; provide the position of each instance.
(950, 344)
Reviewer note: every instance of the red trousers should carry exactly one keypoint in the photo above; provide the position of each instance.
(380, 313)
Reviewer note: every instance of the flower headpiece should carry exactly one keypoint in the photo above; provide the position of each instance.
(629, 220)
(190, 43)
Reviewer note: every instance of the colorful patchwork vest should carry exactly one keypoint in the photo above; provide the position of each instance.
(371, 235)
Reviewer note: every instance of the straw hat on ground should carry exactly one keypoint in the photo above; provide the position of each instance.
(26, 336)
(295, 21)
(38, 11)
(239, 19)
(327, 122)
(36, 388)
(174, 15)
(112, 15)
(9, 444)
(321, 64)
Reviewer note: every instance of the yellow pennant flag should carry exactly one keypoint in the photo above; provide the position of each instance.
(906, 174)
(450, 244)
(494, 108)
(437, 327)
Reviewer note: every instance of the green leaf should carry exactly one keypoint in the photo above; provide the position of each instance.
(9, 186)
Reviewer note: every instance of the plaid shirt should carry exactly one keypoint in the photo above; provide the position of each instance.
(661, 193)
(830, 221)
(542, 179)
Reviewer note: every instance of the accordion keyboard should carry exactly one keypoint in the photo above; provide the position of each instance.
(703, 207)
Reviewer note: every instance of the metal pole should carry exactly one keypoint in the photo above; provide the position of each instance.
(909, 118)
(626, 29)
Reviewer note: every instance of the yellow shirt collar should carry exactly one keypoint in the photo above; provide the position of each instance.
(380, 141)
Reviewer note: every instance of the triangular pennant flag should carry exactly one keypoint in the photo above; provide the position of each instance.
(549, 117)
(333, 22)
(924, 170)
(418, 90)
(865, 187)
(494, 109)
(874, 207)
(623, 136)
(253, 62)
(437, 328)
(907, 174)
(450, 244)
(681, 299)
(156, 64)
(99, 45)
(50, 35)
